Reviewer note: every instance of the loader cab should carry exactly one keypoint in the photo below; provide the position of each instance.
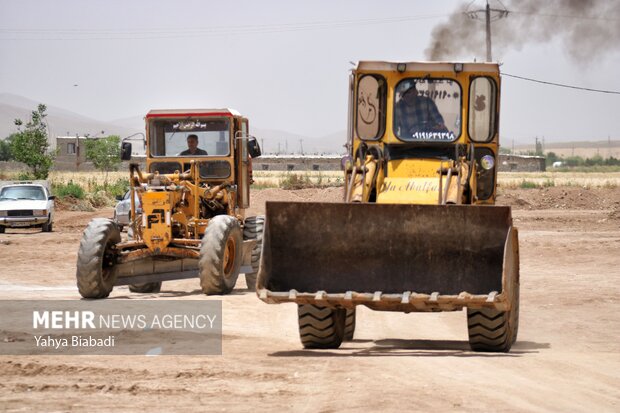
(425, 117)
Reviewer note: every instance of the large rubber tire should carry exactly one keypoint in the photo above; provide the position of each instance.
(153, 287)
(47, 227)
(220, 255)
(2, 229)
(95, 259)
(253, 229)
(349, 325)
(493, 330)
(320, 327)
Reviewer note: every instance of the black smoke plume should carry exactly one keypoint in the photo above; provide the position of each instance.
(587, 29)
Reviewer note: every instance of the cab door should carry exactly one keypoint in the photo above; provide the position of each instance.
(243, 178)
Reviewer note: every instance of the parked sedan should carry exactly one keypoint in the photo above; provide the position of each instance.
(25, 205)
(122, 211)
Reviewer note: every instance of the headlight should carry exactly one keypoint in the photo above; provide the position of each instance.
(487, 162)
(3, 213)
(40, 212)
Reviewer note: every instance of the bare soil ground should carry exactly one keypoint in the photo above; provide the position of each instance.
(567, 357)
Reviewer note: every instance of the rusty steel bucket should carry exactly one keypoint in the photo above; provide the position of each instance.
(389, 257)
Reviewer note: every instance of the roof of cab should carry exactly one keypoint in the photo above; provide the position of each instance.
(433, 66)
(159, 113)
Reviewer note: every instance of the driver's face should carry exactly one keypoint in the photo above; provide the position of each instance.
(410, 95)
(192, 144)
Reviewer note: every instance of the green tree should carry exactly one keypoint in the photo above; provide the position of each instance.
(551, 158)
(5, 149)
(31, 145)
(104, 153)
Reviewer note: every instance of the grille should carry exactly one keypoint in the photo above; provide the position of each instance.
(20, 213)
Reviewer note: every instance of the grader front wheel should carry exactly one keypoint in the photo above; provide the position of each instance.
(220, 255)
(95, 278)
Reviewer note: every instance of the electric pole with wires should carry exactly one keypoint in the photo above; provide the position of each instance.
(490, 15)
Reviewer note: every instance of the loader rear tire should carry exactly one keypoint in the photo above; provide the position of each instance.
(220, 255)
(153, 287)
(96, 259)
(349, 325)
(493, 330)
(320, 327)
(253, 229)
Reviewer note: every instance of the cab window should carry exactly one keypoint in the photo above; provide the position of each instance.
(482, 108)
(370, 107)
(427, 109)
(190, 138)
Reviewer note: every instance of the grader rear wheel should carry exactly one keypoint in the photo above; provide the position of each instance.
(320, 327)
(95, 278)
(220, 255)
(153, 287)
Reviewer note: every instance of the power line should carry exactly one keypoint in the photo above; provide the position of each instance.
(160, 33)
(565, 16)
(562, 85)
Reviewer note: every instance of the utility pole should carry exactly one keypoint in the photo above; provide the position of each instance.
(301, 147)
(262, 144)
(490, 15)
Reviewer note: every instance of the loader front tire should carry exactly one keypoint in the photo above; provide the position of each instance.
(96, 258)
(321, 327)
(153, 287)
(220, 255)
(493, 330)
(253, 229)
(349, 325)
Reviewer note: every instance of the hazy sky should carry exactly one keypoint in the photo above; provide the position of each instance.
(284, 64)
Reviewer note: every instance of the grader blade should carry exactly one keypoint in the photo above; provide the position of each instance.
(389, 257)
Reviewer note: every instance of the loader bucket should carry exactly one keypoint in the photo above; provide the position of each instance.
(387, 256)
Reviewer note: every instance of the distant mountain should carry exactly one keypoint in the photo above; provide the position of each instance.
(61, 122)
(277, 141)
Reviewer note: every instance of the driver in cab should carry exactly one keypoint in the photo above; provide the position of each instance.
(192, 147)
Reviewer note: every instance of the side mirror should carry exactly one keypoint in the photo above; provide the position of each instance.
(119, 197)
(253, 147)
(51, 197)
(126, 151)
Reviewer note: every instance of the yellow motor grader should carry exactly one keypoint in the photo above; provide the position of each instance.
(418, 229)
(187, 210)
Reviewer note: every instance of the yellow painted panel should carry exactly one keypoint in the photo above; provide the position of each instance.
(405, 168)
(423, 191)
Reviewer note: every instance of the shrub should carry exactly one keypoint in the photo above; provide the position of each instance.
(294, 181)
(528, 184)
(69, 189)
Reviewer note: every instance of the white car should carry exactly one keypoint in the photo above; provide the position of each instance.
(122, 212)
(26, 204)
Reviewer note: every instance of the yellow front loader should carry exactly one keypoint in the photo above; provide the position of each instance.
(418, 229)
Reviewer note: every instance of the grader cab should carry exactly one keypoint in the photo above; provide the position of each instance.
(418, 230)
(187, 210)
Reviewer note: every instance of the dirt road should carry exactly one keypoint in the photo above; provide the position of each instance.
(567, 357)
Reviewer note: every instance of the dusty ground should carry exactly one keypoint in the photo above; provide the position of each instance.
(567, 357)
